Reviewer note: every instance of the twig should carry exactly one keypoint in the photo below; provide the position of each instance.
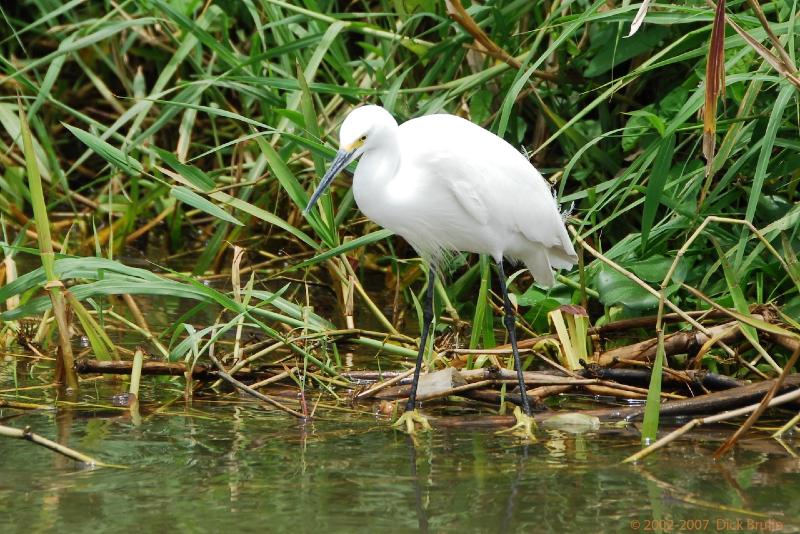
(635, 279)
(676, 343)
(724, 416)
(457, 12)
(730, 442)
(247, 389)
(787, 60)
(275, 378)
(386, 383)
(26, 434)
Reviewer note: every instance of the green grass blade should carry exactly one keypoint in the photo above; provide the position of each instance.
(188, 196)
(361, 241)
(193, 175)
(652, 408)
(106, 151)
(655, 186)
(776, 115)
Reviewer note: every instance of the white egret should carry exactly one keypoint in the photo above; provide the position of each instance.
(446, 184)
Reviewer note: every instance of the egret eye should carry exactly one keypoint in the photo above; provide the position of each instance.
(362, 138)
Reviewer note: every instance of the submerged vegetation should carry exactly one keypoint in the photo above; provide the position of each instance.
(156, 151)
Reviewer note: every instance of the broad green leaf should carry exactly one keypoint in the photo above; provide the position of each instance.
(609, 56)
(615, 288)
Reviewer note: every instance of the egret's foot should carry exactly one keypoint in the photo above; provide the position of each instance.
(409, 420)
(524, 427)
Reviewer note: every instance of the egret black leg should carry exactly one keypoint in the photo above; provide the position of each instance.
(427, 318)
(508, 320)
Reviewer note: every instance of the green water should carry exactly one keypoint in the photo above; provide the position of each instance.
(216, 467)
(222, 466)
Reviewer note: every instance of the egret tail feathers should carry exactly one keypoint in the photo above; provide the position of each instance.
(562, 259)
(542, 262)
(538, 263)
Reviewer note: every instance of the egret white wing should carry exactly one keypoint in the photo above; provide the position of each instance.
(492, 181)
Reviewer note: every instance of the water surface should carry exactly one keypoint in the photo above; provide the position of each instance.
(237, 467)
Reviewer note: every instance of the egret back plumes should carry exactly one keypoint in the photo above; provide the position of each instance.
(446, 184)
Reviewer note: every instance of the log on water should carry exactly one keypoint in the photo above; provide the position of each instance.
(641, 377)
(677, 343)
(711, 403)
(199, 371)
(437, 383)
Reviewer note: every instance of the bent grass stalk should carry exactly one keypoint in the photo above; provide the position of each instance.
(65, 364)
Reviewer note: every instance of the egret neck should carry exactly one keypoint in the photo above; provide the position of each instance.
(373, 181)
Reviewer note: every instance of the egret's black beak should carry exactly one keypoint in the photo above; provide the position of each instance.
(343, 157)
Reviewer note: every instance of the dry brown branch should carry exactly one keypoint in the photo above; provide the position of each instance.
(509, 379)
(709, 403)
(772, 37)
(677, 343)
(26, 405)
(730, 442)
(199, 371)
(250, 391)
(148, 368)
(671, 377)
(457, 12)
(535, 395)
(386, 383)
(635, 279)
(713, 402)
(724, 416)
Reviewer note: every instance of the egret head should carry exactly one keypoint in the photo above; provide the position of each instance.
(363, 129)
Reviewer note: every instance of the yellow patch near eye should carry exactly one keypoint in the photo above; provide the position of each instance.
(354, 145)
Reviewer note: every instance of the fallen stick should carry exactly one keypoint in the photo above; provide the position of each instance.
(535, 395)
(676, 343)
(27, 435)
(641, 377)
(24, 405)
(592, 385)
(199, 371)
(725, 447)
(250, 391)
(716, 402)
(719, 400)
(618, 326)
(675, 408)
(386, 383)
(777, 401)
(370, 376)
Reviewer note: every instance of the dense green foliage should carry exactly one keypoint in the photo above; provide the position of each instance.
(217, 117)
